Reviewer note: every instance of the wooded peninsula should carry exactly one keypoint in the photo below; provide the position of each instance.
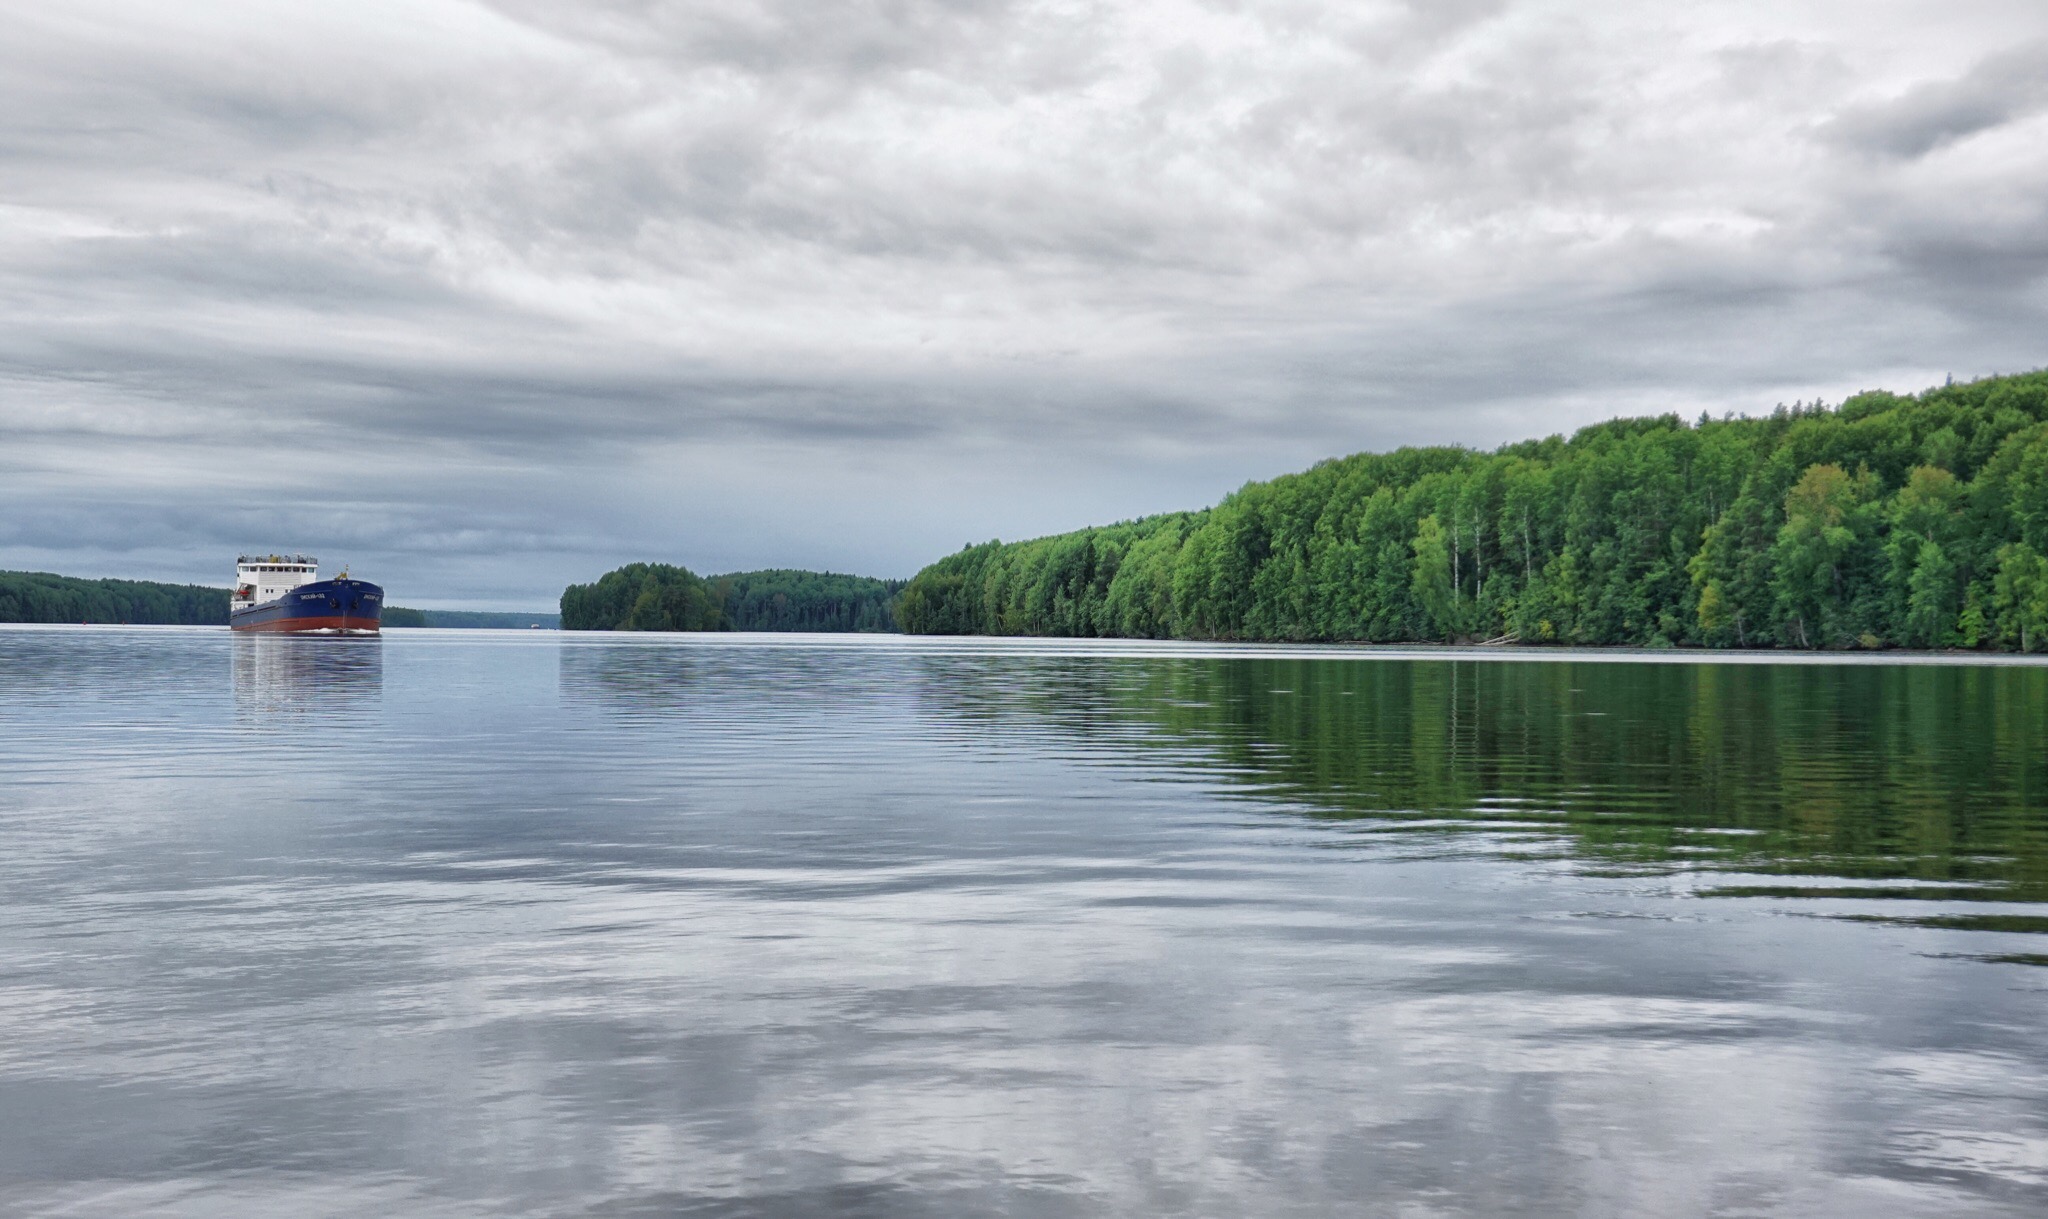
(661, 597)
(36, 596)
(1889, 521)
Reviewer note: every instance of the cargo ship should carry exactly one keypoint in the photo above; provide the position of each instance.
(285, 593)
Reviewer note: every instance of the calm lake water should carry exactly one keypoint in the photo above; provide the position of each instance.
(478, 923)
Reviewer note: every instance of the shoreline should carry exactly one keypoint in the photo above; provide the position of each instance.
(1059, 646)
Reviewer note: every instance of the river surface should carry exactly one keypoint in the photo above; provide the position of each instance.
(494, 923)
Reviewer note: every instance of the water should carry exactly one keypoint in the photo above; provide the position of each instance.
(477, 923)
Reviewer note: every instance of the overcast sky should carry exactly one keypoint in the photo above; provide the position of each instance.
(481, 298)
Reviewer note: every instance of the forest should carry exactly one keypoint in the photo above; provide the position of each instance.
(39, 596)
(35, 596)
(1890, 520)
(807, 601)
(661, 597)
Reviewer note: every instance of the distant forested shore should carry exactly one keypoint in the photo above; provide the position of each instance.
(663, 597)
(41, 596)
(1889, 521)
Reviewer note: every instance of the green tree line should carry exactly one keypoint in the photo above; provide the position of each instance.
(808, 601)
(1890, 520)
(662, 597)
(35, 596)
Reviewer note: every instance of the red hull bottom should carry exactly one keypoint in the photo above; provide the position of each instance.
(299, 626)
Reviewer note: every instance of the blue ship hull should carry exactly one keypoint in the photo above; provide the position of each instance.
(342, 605)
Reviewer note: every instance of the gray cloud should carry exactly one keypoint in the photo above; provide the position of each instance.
(491, 296)
(2006, 87)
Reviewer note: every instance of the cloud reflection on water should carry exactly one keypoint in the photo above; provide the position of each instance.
(703, 928)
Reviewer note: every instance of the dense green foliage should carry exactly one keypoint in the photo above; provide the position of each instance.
(643, 597)
(35, 596)
(659, 597)
(398, 615)
(1889, 521)
(807, 601)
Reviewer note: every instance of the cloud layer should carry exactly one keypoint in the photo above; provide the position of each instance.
(482, 297)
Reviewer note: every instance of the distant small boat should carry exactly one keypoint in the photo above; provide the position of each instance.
(285, 593)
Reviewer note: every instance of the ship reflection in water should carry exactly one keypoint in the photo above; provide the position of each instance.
(288, 678)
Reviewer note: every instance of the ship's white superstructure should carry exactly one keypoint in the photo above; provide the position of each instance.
(263, 578)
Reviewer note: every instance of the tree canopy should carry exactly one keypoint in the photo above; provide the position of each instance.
(660, 597)
(36, 596)
(642, 597)
(807, 601)
(1890, 520)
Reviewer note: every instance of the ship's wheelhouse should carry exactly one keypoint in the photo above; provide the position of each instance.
(260, 579)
